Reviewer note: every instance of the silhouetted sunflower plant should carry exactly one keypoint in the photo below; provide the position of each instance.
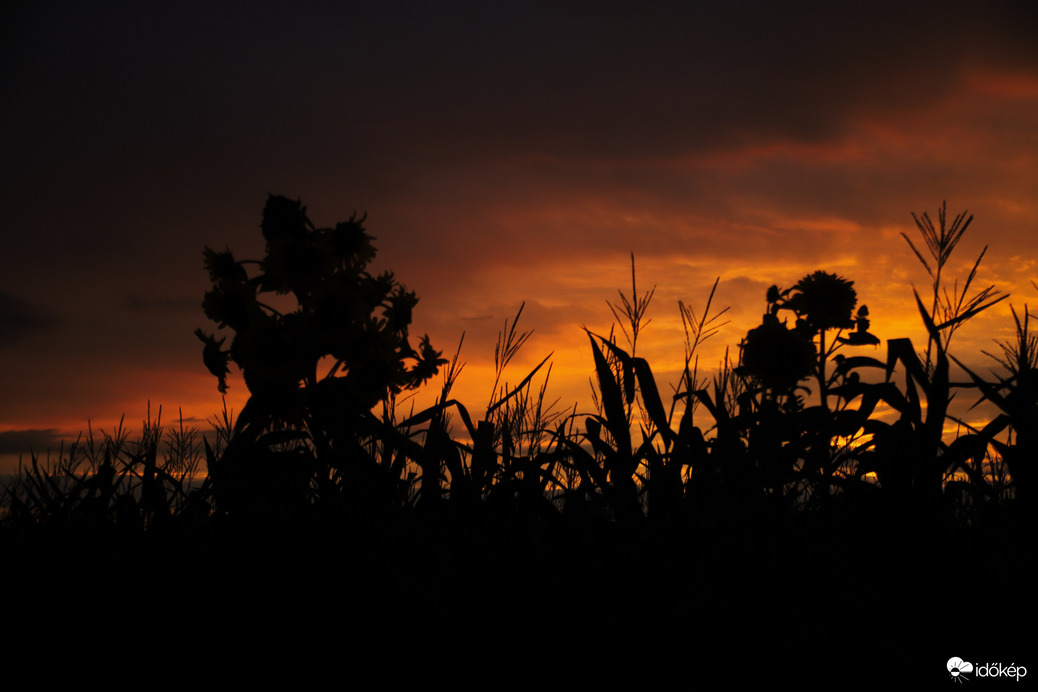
(314, 372)
(798, 447)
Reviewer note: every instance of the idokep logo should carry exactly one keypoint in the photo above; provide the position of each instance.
(960, 670)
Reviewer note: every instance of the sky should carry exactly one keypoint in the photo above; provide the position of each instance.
(504, 153)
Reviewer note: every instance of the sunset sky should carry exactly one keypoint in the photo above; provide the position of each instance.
(504, 152)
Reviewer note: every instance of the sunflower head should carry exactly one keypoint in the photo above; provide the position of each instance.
(776, 356)
(824, 301)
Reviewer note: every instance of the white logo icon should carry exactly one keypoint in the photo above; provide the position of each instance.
(957, 667)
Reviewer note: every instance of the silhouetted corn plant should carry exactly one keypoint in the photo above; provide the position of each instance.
(910, 456)
(681, 447)
(510, 453)
(950, 309)
(728, 474)
(1015, 394)
(114, 482)
(630, 318)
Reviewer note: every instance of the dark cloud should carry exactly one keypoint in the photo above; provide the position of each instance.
(567, 79)
(25, 442)
(19, 318)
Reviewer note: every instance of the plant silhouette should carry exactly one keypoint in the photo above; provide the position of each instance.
(314, 372)
(810, 488)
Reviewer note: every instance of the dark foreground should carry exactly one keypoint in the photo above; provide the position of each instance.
(812, 596)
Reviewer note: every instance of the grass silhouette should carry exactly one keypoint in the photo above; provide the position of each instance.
(772, 507)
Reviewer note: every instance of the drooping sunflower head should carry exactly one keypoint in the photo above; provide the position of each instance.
(776, 356)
